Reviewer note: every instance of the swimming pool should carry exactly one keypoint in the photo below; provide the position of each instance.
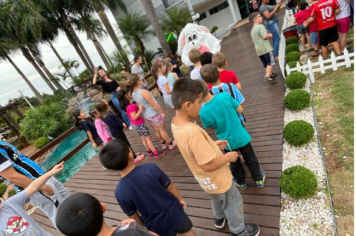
(76, 162)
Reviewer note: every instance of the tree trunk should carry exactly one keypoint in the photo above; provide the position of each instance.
(34, 90)
(98, 48)
(143, 55)
(29, 57)
(77, 49)
(151, 14)
(60, 58)
(106, 55)
(72, 31)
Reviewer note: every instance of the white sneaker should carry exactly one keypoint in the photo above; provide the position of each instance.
(131, 128)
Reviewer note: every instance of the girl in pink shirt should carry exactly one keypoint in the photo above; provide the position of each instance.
(134, 112)
(101, 127)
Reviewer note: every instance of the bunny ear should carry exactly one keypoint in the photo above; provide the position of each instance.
(181, 42)
(204, 28)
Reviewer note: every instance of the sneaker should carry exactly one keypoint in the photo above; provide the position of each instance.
(261, 183)
(104, 168)
(219, 224)
(149, 153)
(249, 230)
(164, 146)
(273, 75)
(240, 186)
(269, 79)
(159, 154)
(173, 145)
(139, 158)
(130, 128)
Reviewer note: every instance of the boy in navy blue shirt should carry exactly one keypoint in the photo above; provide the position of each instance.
(145, 193)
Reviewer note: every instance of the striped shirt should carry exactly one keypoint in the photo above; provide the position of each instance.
(10, 156)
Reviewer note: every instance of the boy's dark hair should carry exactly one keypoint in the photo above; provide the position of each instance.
(302, 4)
(80, 214)
(253, 16)
(115, 155)
(209, 73)
(219, 60)
(168, 55)
(206, 58)
(194, 55)
(184, 90)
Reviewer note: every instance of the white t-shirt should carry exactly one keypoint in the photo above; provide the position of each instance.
(344, 9)
(161, 81)
(195, 74)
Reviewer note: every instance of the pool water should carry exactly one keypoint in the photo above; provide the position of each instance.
(76, 162)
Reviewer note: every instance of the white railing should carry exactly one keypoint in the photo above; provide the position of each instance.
(282, 43)
(320, 66)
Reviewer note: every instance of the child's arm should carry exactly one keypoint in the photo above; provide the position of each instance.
(220, 162)
(91, 139)
(146, 95)
(267, 36)
(40, 181)
(238, 85)
(166, 86)
(137, 218)
(175, 76)
(240, 109)
(172, 189)
(135, 115)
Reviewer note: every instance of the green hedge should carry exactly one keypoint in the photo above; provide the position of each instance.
(3, 188)
(298, 132)
(298, 182)
(12, 193)
(296, 80)
(292, 56)
(292, 64)
(297, 100)
(41, 142)
(292, 48)
(291, 40)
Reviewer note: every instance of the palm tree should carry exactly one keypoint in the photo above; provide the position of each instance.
(151, 14)
(176, 19)
(49, 43)
(135, 27)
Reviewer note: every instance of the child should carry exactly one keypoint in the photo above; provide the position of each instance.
(101, 127)
(174, 63)
(135, 114)
(206, 58)
(324, 12)
(171, 76)
(145, 193)
(263, 48)
(82, 123)
(226, 76)
(194, 57)
(158, 69)
(301, 16)
(14, 220)
(116, 126)
(219, 112)
(313, 31)
(152, 112)
(210, 75)
(83, 214)
(208, 164)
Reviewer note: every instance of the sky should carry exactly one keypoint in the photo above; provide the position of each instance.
(11, 82)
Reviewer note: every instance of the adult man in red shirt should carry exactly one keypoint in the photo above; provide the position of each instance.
(324, 11)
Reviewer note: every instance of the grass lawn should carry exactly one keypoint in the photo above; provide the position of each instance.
(334, 101)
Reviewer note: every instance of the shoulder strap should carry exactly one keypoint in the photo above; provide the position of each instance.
(232, 93)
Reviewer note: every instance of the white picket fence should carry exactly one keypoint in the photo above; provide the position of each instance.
(282, 47)
(320, 66)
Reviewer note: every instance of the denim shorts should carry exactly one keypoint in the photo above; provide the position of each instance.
(314, 38)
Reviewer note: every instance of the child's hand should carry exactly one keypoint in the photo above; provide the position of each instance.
(57, 168)
(125, 126)
(233, 156)
(183, 203)
(163, 115)
(47, 190)
(94, 145)
(221, 144)
(140, 106)
(128, 221)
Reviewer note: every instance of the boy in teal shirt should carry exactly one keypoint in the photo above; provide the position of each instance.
(220, 112)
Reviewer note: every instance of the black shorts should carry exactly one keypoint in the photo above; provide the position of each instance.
(268, 59)
(328, 35)
(185, 227)
(98, 141)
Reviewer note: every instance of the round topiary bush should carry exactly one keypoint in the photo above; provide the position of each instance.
(11, 193)
(3, 188)
(292, 64)
(291, 40)
(41, 142)
(292, 56)
(297, 100)
(298, 132)
(292, 48)
(298, 182)
(296, 80)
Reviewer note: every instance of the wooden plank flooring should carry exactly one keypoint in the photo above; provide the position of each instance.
(264, 112)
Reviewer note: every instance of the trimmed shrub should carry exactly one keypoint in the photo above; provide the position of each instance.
(41, 142)
(297, 100)
(296, 80)
(292, 48)
(291, 40)
(298, 132)
(298, 182)
(292, 64)
(11, 193)
(292, 56)
(3, 188)
(215, 28)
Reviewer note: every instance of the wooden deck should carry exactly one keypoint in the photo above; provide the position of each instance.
(264, 112)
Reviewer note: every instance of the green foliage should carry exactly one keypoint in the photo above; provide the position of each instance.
(292, 64)
(120, 61)
(298, 182)
(3, 188)
(215, 28)
(11, 193)
(22, 102)
(41, 142)
(292, 48)
(291, 40)
(175, 20)
(173, 45)
(150, 55)
(296, 80)
(298, 132)
(84, 75)
(297, 100)
(292, 56)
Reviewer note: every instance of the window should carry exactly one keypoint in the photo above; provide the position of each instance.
(202, 16)
(218, 8)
